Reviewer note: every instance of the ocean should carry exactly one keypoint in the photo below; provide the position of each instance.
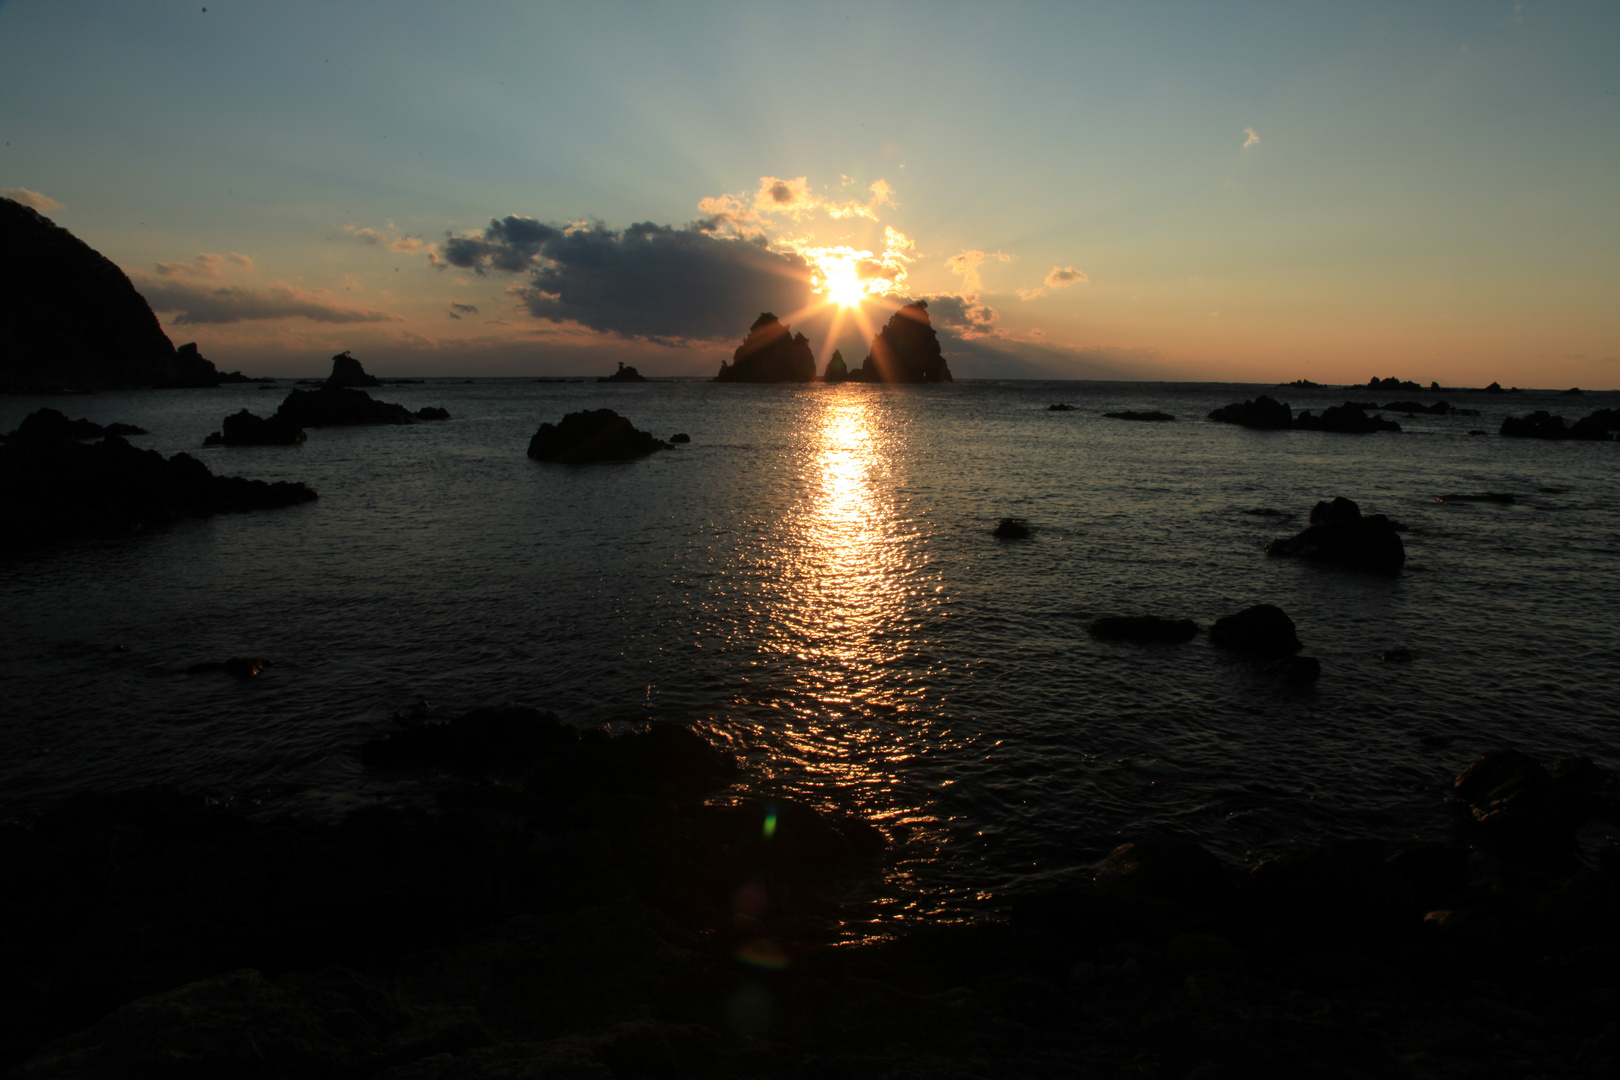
(813, 583)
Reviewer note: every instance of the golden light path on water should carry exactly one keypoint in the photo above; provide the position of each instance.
(851, 599)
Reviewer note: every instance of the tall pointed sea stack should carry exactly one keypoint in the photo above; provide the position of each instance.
(770, 353)
(837, 370)
(907, 350)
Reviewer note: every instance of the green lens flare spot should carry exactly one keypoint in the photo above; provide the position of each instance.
(770, 821)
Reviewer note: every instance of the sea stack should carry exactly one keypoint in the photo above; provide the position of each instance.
(907, 349)
(770, 353)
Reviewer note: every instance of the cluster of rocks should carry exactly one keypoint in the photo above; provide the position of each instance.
(1264, 632)
(53, 486)
(624, 375)
(1151, 417)
(1268, 414)
(339, 402)
(1339, 534)
(599, 906)
(594, 435)
(905, 350)
(1595, 427)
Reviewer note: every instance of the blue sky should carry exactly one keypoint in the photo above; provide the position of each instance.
(1240, 191)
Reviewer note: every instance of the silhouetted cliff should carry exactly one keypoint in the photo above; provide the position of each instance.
(770, 353)
(70, 318)
(907, 350)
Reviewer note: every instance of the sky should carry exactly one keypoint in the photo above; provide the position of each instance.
(1252, 192)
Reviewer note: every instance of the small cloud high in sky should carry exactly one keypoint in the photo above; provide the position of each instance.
(1424, 190)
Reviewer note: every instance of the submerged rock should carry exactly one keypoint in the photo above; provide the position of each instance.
(1012, 529)
(770, 353)
(1439, 408)
(1339, 534)
(1264, 413)
(1143, 628)
(595, 435)
(246, 429)
(52, 488)
(430, 412)
(1151, 417)
(1060, 407)
(1263, 629)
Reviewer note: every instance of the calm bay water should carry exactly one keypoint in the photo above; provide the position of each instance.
(813, 581)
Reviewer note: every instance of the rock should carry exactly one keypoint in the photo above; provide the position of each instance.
(50, 424)
(1519, 799)
(1596, 426)
(1346, 419)
(1164, 874)
(1338, 534)
(624, 374)
(1499, 497)
(246, 429)
(1573, 391)
(596, 435)
(192, 370)
(429, 412)
(69, 317)
(125, 430)
(680, 437)
(1391, 383)
(788, 839)
(1439, 408)
(1397, 655)
(1336, 889)
(1295, 670)
(1434, 875)
(1538, 425)
(907, 349)
(1263, 629)
(1147, 417)
(837, 369)
(1142, 628)
(54, 488)
(346, 371)
(1012, 529)
(242, 667)
(334, 405)
(770, 354)
(1264, 413)
(1060, 407)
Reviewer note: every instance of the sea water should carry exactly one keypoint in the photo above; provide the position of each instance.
(813, 582)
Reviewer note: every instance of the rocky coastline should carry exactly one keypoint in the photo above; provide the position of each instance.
(594, 905)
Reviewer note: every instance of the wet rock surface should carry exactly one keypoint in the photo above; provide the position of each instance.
(54, 487)
(681, 935)
(593, 435)
(1339, 534)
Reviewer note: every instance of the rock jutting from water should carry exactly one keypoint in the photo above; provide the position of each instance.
(1263, 630)
(594, 435)
(1339, 534)
(1152, 416)
(247, 429)
(347, 371)
(1346, 419)
(907, 349)
(837, 369)
(1012, 529)
(771, 353)
(625, 374)
(54, 487)
(1542, 425)
(1264, 413)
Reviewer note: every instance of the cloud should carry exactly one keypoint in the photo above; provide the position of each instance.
(458, 310)
(1064, 275)
(1250, 138)
(967, 264)
(1034, 293)
(198, 303)
(792, 198)
(649, 281)
(32, 199)
(388, 239)
(963, 316)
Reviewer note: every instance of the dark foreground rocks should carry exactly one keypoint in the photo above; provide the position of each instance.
(1346, 419)
(594, 435)
(1339, 534)
(54, 487)
(178, 938)
(247, 429)
(1262, 630)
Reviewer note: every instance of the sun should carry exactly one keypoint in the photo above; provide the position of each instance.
(841, 279)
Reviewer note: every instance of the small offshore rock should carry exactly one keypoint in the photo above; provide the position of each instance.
(1262, 629)
(429, 412)
(1264, 413)
(1346, 419)
(246, 429)
(1142, 628)
(1060, 407)
(1339, 534)
(1501, 498)
(1151, 417)
(680, 437)
(346, 371)
(593, 435)
(1012, 529)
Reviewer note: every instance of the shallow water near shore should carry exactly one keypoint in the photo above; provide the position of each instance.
(812, 581)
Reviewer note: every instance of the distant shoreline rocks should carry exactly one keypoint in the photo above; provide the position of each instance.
(625, 374)
(1595, 427)
(1149, 417)
(338, 402)
(592, 435)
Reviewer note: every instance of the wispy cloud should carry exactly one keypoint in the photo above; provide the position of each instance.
(1251, 137)
(458, 310)
(195, 302)
(32, 199)
(776, 198)
(1064, 275)
(967, 264)
(205, 265)
(389, 238)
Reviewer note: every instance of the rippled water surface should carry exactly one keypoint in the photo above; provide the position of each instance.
(813, 579)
